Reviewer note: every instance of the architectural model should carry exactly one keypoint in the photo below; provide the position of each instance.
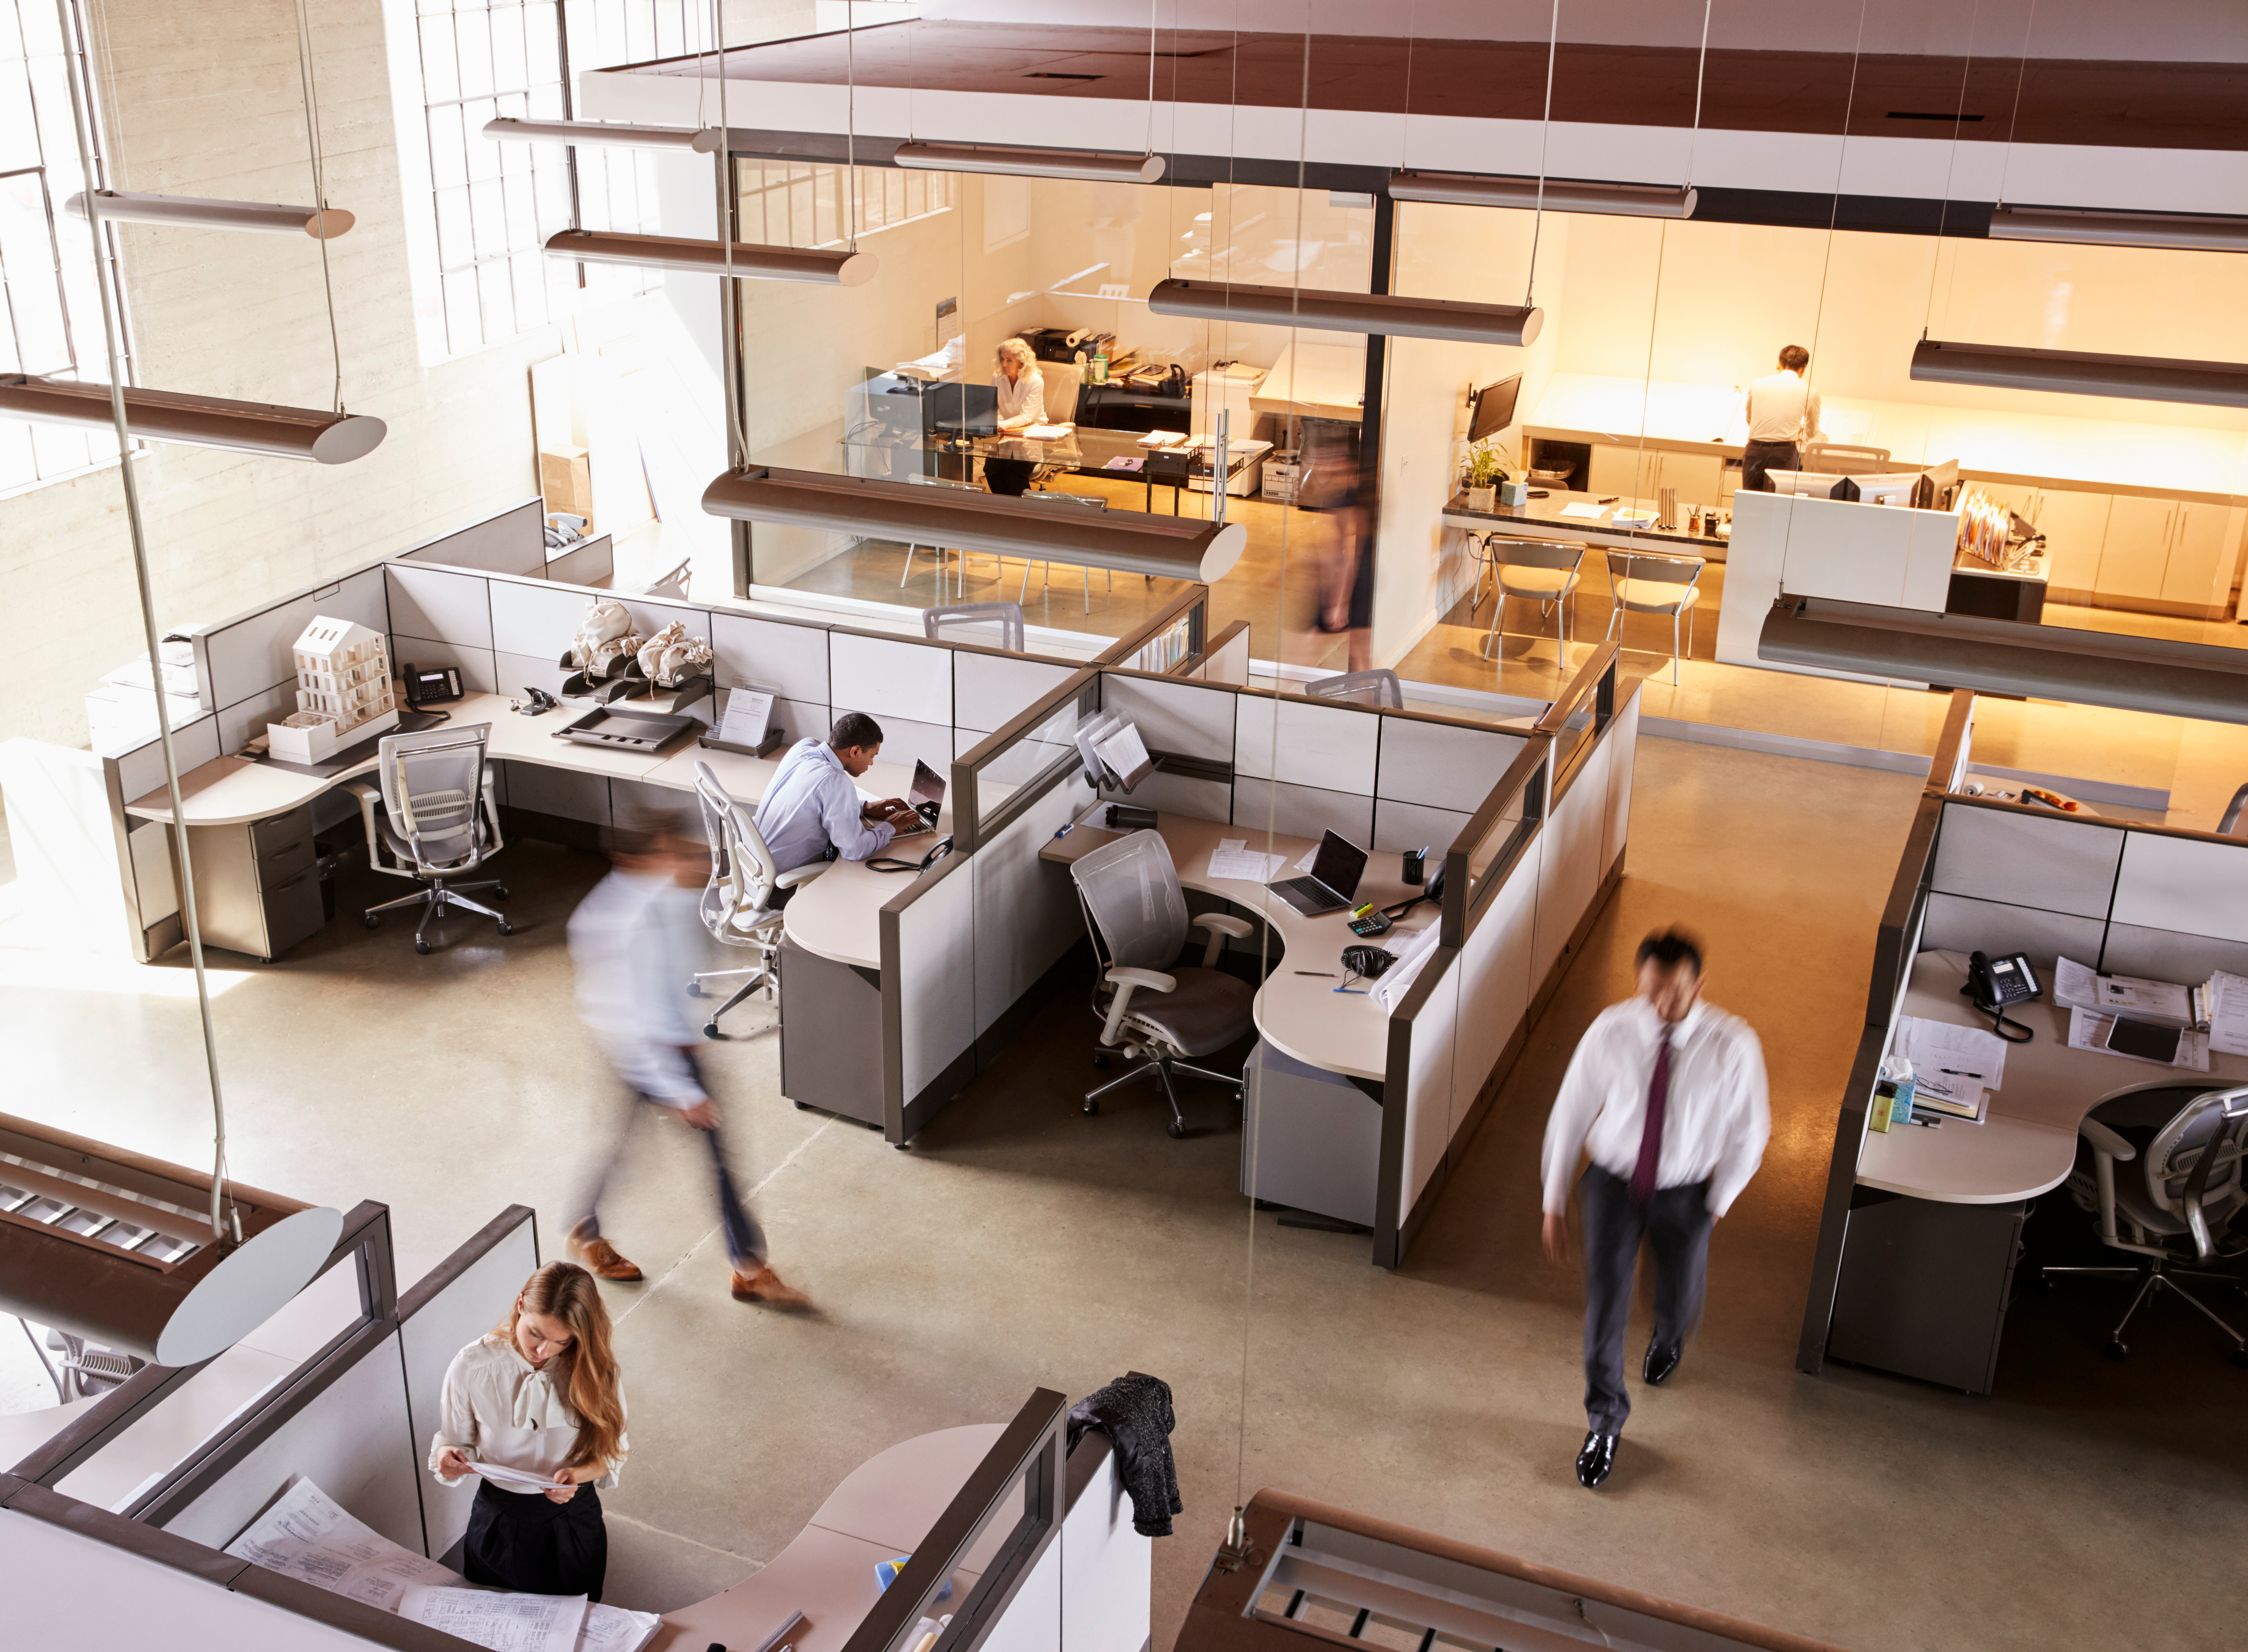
(343, 688)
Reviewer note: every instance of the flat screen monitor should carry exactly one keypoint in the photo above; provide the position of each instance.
(961, 409)
(1889, 490)
(1494, 407)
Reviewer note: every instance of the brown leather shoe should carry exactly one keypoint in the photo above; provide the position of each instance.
(766, 1286)
(599, 1257)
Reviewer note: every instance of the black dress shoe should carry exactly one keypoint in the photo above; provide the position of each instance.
(1661, 1363)
(1596, 1461)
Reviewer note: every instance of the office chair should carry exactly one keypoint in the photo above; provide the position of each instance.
(1136, 913)
(736, 903)
(1008, 616)
(82, 1371)
(919, 480)
(1647, 584)
(1835, 458)
(1377, 687)
(437, 820)
(1065, 502)
(2190, 1188)
(1062, 380)
(1541, 570)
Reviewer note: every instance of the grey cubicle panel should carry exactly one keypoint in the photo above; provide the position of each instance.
(512, 542)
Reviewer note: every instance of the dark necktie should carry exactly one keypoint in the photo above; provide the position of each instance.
(1650, 1134)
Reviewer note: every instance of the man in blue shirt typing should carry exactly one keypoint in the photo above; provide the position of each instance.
(814, 804)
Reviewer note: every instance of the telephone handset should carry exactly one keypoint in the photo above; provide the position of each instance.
(1995, 983)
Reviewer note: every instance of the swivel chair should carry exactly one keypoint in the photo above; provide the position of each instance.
(2190, 1186)
(1136, 915)
(736, 905)
(437, 820)
(1008, 616)
(1377, 687)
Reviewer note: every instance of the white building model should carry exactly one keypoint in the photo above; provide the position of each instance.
(343, 689)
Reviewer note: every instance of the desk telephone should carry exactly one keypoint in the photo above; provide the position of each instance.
(1993, 983)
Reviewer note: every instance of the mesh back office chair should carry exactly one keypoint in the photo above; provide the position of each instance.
(736, 905)
(438, 821)
(1008, 616)
(1541, 570)
(83, 1370)
(1377, 687)
(1645, 583)
(1155, 1012)
(2190, 1188)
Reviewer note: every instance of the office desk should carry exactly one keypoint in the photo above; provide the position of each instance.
(1302, 1016)
(1542, 519)
(1314, 379)
(1989, 592)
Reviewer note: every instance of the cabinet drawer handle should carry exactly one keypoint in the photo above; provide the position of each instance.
(275, 854)
(292, 883)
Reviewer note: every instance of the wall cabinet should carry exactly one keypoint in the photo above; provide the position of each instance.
(2204, 554)
(2137, 544)
(2169, 555)
(1637, 473)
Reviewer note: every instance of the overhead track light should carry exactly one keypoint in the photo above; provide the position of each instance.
(2216, 384)
(2185, 232)
(1561, 194)
(197, 421)
(618, 132)
(1127, 541)
(2005, 657)
(117, 206)
(1379, 313)
(1092, 166)
(751, 261)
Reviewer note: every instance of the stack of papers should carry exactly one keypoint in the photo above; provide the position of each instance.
(1233, 858)
(2164, 1002)
(1950, 1096)
(1585, 512)
(2227, 1013)
(1047, 432)
(1943, 1050)
(611, 1628)
(307, 1537)
(491, 1617)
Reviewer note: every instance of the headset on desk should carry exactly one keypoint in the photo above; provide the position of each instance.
(887, 863)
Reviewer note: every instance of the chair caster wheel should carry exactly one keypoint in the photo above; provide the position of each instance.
(2240, 1358)
(693, 988)
(1176, 1130)
(505, 927)
(2117, 1348)
(710, 1030)
(1090, 1108)
(421, 946)
(501, 892)
(1101, 1062)
(374, 922)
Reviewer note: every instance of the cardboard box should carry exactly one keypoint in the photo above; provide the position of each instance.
(565, 479)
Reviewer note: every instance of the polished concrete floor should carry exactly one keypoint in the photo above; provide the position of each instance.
(1022, 1243)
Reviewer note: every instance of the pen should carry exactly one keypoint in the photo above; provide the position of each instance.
(1360, 991)
(1328, 973)
(1612, 498)
(1959, 1072)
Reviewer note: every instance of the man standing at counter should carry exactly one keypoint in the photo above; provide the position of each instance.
(1783, 415)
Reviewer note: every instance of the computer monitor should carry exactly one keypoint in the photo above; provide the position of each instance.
(1889, 490)
(1494, 407)
(961, 409)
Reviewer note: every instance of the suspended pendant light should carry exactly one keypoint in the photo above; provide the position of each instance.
(1559, 195)
(617, 133)
(197, 420)
(751, 261)
(120, 206)
(1373, 312)
(1993, 366)
(1127, 541)
(1090, 166)
(2185, 232)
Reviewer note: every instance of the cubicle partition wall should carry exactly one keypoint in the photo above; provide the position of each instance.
(1176, 634)
(1226, 659)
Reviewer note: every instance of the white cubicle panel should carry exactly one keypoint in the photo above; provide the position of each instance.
(251, 653)
(889, 677)
(1298, 742)
(1300, 811)
(2166, 955)
(1176, 714)
(140, 768)
(1625, 737)
(2194, 886)
(1032, 1620)
(935, 965)
(789, 662)
(1440, 765)
(354, 1440)
(1229, 662)
(2048, 862)
(990, 690)
(534, 620)
(1025, 918)
(512, 542)
(1107, 1569)
(798, 719)
(907, 742)
(440, 605)
(1495, 981)
(1962, 923)
(1431, 1050)
(1399, 828)
(1570, 872)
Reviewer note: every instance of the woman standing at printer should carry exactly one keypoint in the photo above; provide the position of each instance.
(538, 1394)
(1022, 390)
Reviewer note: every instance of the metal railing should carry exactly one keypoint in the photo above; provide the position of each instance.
(1574, 721)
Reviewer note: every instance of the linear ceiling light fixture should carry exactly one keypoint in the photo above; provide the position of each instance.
(1092, 166)
(1562, 194)
(619, 132)
(2215, 384)
(1379, 313)
(118, 206)
(2005, 656)
(1127, 541)
(750, 260)
(197, 420)
(2184, 232)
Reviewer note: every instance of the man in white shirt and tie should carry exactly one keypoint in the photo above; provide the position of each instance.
(1783, 415)
(1666, 1096)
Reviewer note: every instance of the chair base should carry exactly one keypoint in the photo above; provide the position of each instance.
(764, 977)
(2157, 1276)
(1163, 1066)
(438, 895)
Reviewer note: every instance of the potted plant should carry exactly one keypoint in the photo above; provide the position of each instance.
(1484, 470)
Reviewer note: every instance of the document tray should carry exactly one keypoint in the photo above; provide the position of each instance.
(620, 728)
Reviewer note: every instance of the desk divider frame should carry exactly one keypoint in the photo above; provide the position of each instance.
(1178, 631)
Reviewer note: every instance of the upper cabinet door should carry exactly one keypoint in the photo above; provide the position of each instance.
(2136, 548)
(2204, 555)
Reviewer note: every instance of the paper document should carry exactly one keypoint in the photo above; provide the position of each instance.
(513, 1479)
(1048, 432)
(749, 714)
(611, 1629)
(2087, 1029)
(1310, 855)
(503, 1622)
(1953, 1051)
(1233, 858)
(1123, 751)
(307, 1537)
(2079, 988)
(1123, 461)
(1583, 511)
(1952, 1098)
(1413, 950)
(2227, 1013)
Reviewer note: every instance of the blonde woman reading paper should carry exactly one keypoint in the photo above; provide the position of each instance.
(533, 1407)
(1022, 404)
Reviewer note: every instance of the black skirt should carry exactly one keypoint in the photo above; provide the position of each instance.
(535, 1545)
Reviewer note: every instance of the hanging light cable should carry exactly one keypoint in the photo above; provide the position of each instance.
(319, 186)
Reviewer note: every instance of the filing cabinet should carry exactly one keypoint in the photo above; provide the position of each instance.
(257, 885)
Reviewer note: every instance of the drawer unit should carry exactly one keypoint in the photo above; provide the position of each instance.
(257, 887)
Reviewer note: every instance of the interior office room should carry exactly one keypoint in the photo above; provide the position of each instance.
(1208, 449)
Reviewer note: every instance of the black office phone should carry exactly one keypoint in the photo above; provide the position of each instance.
(432, 685)
(1993, 983)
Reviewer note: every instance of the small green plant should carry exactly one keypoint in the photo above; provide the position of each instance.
(1485, 468)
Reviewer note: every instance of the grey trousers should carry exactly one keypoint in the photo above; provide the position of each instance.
(1674, 1224)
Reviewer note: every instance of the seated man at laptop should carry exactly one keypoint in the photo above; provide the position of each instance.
(814, 807)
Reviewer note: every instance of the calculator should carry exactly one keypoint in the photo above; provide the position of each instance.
(1367, 921)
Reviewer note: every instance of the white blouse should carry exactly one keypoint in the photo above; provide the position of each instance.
(500, 1408)
(1023, 401)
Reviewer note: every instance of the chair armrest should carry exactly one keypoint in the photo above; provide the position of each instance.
(2105, 1141)
(1220, 924)
(1124, 981)
(801, 875)
(370, 800)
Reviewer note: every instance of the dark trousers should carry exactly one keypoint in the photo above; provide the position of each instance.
(1760, 456)
(1008, 476)
(1674, 1224)
(526, 1542)
(746, 1244)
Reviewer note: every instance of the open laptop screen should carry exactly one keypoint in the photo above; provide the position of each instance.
(927, 784)
(1339, 864)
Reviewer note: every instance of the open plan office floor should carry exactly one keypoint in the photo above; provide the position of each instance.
(1021, 1242)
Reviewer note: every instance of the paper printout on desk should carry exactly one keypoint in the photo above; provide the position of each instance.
(1233, 858)
(1953, 1051)
(2227, 1013)
(1952, 1098)
(2087, 1029)
(1585, 512)
(748, 713)
(503, 1622)
(1048, 432)
(307, 1536)
(611, 1628)
(2080, 987)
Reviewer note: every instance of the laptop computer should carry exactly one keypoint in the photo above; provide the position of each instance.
(1332, 881)
(926, 797)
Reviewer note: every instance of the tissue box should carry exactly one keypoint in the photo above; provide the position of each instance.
(1514, 493)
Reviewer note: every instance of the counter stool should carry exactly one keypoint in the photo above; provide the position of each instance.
(1545, 572)
(1647, 584)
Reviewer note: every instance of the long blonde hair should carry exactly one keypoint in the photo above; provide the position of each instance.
(1015, 350)
(586, 1371)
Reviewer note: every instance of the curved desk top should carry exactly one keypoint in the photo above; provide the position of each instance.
(883, 1508)
(2026, 1144)
(1302, 1016)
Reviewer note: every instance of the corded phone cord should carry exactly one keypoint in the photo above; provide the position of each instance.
(1999, 1023)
